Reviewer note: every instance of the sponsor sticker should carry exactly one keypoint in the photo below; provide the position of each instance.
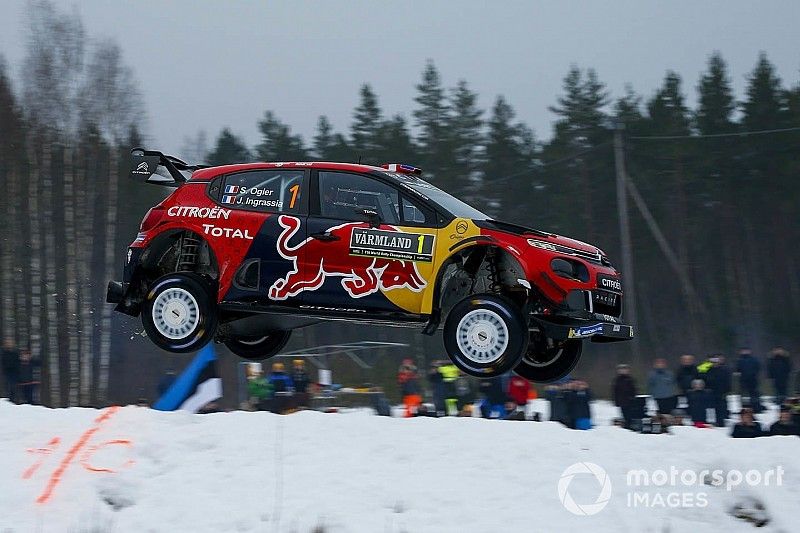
(392, 244)
(585, 331)
(230, 233)
(609, 283)
(198, 212)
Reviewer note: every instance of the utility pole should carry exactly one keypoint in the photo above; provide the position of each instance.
(625, 233)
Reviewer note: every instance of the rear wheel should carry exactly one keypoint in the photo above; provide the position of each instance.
(260, 347)
(179, 313)
(485, 335)
(548, 360)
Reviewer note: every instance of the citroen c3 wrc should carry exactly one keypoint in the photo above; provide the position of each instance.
(244, 254)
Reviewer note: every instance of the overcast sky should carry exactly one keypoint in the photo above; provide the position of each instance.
(205, 65)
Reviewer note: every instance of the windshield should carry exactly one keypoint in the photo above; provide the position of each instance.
(453, 205)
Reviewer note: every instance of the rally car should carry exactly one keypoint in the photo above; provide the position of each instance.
(244, 254)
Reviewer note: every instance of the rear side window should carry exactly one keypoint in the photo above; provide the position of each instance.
(274, 191)
(342, 195)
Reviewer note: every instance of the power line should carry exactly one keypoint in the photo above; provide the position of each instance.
(546, 164)
(714, 135)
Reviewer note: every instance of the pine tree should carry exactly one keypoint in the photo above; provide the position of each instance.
(430, 119)
(395, 141)
(277, 142)
(716, 103)
(762, 109)
(228, 149)
(365, 129)
(465, 138)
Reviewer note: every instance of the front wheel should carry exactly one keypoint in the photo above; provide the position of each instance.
(179, 313)
(485, 335)
(260, 347)
(549, 360)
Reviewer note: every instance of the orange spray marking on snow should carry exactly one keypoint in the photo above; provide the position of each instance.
(57, 474)
(88, 454)
(44, 452)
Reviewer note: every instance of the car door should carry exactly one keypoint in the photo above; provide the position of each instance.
(361, 256)
(278, 198)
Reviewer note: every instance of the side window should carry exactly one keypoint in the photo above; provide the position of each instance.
(274, 191)
(414, 214)
(341, 195)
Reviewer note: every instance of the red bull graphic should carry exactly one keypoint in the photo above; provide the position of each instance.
(363, 275)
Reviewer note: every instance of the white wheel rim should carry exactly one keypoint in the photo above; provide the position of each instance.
(175, 313)
(482, 336)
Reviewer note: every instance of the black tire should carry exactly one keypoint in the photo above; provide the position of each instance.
(259, 348)
(188, 296)
(503, 327)
(547, 364)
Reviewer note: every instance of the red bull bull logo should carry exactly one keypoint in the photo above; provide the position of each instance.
(361, 275)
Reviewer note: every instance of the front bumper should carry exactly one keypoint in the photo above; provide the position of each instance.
(595, 330)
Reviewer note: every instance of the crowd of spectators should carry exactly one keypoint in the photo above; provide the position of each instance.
(700, 393)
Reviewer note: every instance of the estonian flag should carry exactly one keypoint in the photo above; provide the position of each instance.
(198, 385)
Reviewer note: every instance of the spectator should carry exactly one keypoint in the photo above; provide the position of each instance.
(785, 425)
(259, 390)
(450, 374)
(494, 398)
(10, 362)
(282, 388)
(623, 391)
(747, 428)
(686, 373)
(436, 379)
(749, 368)
(300, 381)
(718, 381)
(464, 391)
(28, 385)
(578, 404)
(408, 379)
(661, 386)
(556, 394)
(699, 400)
(518, 390)
(779, 368)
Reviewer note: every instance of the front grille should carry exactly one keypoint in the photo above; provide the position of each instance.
(606, 303)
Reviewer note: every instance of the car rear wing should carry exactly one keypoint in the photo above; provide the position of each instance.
(151, 166)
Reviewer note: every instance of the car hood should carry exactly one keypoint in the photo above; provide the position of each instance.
(551, 238)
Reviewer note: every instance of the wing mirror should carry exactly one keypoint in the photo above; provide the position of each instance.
(370, 216)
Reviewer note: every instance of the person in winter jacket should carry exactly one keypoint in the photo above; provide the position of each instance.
(685, 374)
(717, 376)
(747, 428)
(408, 379)
(518, 390)
(28, 381)
(578, 404)
(450, 374)
(259, 390)
(661, 386)
(785, 425)
(436, 380)
(494, 398)
(300, 381)
(779, 368)
(10, 363)
(623, 391)
(699, 400)
(749, 369)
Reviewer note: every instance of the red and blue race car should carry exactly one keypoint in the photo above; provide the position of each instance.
(244, 254)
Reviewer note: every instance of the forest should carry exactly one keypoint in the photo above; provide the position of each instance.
(712, 198)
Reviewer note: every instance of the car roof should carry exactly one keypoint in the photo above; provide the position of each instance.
(212, 172)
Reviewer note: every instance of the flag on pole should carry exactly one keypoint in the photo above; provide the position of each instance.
(197, 385)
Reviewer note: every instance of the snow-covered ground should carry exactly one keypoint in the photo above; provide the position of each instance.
(245, 471)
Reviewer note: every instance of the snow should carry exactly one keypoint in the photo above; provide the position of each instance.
(244, 471)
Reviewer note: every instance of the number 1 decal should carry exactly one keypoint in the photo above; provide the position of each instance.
(421, 241)
(294, 189)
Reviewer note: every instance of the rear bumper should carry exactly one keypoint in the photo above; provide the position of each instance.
(595, 330)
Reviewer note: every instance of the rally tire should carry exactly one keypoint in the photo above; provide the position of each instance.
(485, 335)
(259, 348)
(552, 364)
(179, 314)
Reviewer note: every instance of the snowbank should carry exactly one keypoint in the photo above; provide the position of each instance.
(355, 472)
